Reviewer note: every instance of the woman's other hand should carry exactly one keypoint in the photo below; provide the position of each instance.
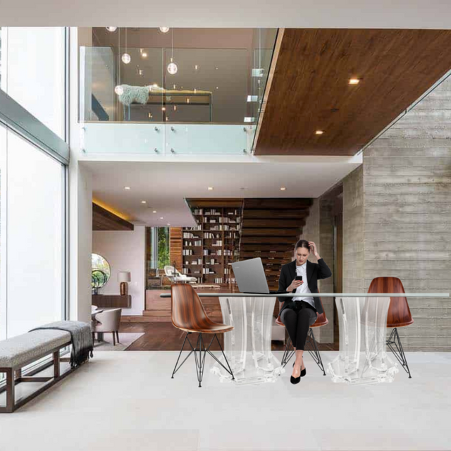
(314, 249)
(295, 284)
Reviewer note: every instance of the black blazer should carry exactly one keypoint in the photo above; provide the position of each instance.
(315, 272)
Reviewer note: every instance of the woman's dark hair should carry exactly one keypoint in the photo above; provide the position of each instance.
(302, 243)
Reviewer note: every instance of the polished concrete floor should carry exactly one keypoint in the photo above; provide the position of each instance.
(128, 401)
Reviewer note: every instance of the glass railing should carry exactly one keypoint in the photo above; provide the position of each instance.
(211, 104)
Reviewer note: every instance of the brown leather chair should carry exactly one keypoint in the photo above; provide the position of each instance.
(310, 343)
(188, 314)
(398, 314)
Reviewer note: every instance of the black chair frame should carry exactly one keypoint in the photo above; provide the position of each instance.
(199, 358)
(310, 346)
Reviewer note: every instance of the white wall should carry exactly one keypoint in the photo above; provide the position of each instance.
(124, 251)
(233, 13)
(80, 204)
(80, 236)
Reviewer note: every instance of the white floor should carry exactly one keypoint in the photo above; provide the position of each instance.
(128, 401)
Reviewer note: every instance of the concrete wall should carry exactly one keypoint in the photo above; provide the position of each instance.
(124, 251)
(353, 232)
(326, 242)
(397, 217)
(407, 183)
(319, 228)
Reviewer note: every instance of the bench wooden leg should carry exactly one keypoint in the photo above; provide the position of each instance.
(10, 384)
(19, 373)
(56, 364)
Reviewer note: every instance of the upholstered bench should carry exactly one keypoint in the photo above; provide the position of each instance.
(17, 352)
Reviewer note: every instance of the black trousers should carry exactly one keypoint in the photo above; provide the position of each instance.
(298, 316)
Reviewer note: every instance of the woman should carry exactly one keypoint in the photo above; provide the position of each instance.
(301, 311)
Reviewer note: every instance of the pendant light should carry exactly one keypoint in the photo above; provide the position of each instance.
(119, 90)
(126, 58)
(172, 67)
(164, 29)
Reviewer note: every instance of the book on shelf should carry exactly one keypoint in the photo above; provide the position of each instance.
(217, 233)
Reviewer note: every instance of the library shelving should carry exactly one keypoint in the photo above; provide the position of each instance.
(210, 247)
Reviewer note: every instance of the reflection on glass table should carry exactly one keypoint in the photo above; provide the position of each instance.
(362, 356)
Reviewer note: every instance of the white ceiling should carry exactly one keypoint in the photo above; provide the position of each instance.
(164, 186)
(231, 13)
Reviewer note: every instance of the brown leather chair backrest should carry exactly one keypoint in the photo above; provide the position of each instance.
(398, 313)
(187, 311)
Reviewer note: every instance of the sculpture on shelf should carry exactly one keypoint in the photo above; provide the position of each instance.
(124, 277)
(98, 280)
(101, 272)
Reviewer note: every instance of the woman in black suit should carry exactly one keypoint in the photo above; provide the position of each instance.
(301, 311)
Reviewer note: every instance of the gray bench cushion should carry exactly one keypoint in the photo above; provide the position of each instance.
(16, 351)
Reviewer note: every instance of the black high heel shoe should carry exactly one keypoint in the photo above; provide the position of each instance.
(303, 372)
(295, 380)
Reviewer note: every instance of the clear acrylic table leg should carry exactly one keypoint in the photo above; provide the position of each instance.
(362, 356)
(248, 345)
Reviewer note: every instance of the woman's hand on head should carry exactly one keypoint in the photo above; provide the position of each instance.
(314, 249)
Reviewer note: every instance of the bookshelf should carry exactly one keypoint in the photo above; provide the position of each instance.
(210, 247)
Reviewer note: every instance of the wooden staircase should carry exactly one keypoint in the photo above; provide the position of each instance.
(270, 230)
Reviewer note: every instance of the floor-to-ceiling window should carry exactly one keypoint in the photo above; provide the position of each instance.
(32, 178)
(34, 197)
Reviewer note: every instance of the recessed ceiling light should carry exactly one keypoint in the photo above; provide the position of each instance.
(168, 223)
(154, 211)
(126, 187)
(143, 202)
(161, 217)
(282, 188)
(354, 81)
(210, 188)
(164, 29)
(319, 132)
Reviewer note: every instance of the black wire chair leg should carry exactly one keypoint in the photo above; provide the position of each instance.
(314, 352)
(229, 370)
(399, 351)
(198, 359)
(181, 350)
(200, 352)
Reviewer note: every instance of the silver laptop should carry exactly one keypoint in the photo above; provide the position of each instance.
(250, 276)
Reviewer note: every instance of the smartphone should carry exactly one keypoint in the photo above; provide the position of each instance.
(298, 278)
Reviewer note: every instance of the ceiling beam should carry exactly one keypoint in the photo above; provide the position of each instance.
(103, 219)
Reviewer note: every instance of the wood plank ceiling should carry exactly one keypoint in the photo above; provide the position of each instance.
(270, 230)
(103, 219)
(310, 88)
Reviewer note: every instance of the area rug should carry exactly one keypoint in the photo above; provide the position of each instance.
(126, 339)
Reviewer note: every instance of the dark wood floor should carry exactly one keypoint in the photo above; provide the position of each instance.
(165, 337)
